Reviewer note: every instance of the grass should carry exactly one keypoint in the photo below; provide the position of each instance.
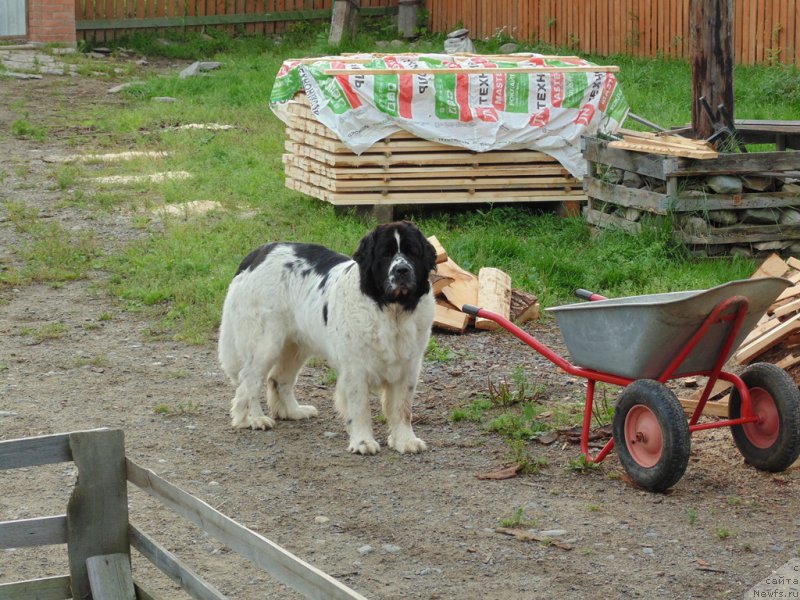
(518, 520)
(179, 272)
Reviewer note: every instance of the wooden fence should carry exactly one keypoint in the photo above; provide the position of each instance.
(765, 31)
(98, 535)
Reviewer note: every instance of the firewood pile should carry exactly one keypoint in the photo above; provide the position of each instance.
(490, 289)
(775, 338)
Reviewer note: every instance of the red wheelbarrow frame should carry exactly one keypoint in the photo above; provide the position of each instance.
(732, 310)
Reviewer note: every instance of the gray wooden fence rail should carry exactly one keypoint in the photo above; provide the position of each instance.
(99, 536)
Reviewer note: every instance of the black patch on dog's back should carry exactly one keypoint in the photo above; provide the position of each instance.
(321, 259)
(255, 258)
(325, 314)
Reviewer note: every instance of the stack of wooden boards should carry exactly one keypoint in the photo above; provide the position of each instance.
(405, 169)
(779, 327)
(491, 289)
(662, 143)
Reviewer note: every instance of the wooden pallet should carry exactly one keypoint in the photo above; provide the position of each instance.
(405, 169)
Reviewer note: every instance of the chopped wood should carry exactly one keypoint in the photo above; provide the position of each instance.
(747, 353)
(713, 408)
(464, 290)
(494, 294)
(773, 266)
(524, 306)
(439, 282)
(788, 362)
(783, 310)
(651, 147)
(450, 319)
(441, 253)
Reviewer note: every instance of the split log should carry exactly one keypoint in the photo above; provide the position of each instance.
(450, 319)
(524, 306)
(439, 282)
(441, 253)
(494, 294)
(464, 290)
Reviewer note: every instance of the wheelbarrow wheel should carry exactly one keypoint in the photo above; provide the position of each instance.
(651, 435)
(773, 442)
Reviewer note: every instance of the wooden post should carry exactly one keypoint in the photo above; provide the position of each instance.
(344, 20)
(407, 15)
(711, 26)
(97, 512)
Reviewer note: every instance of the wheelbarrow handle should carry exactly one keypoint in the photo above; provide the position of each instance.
(587, 295)
(470, 310)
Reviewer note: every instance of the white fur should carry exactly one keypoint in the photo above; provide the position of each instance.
(272, 323)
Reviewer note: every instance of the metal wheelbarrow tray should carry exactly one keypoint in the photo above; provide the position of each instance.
(638, 336)
(641, 342)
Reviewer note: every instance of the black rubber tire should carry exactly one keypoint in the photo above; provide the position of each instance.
(675, 439)
(783, 391)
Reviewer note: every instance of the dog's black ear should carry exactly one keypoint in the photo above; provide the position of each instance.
(365, 259)
(366, 249)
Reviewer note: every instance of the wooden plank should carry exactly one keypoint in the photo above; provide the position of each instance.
(143, 593)
(786, 309)
(283, 565)
(173, 567)
(438, 283)
(668, 149)
(475, 70)
(448, 197)
(747, 353)
(455, 183)
(716, 408)
(494, 294)
(46, 588)
(450, 319)
(464, 289)
(441, 253)
(621, 195)
(732, 164)
(788, 361)
(772, 266)
(395, 172)
(463, 157)
(97, 511)
(40, 531)
(596, 150)
(740, 234)
(35, 451)
(110, 577)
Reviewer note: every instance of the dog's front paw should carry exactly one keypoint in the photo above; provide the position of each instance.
(302, 411)
(410, 445)
(262, 422)
(364, 447)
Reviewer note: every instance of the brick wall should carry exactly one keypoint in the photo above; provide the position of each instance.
(51, 21)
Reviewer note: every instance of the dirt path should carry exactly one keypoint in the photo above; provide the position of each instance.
(390, 526)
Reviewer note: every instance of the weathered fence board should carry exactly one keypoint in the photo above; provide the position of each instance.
(47, 588)
(35, 451)
(283, 565)
(110, 577)
(172, 566)
(97, 512)
(42, 531)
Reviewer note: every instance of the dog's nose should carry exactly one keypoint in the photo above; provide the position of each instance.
(402, 271)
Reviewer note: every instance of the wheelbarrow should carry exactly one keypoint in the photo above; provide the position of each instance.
(641, 342)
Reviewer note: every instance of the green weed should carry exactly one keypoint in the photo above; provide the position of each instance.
(692, 512)
(48, 331)
(519, 520)
(582, 465)
(439, 353)
(474, 412)
(22, 128)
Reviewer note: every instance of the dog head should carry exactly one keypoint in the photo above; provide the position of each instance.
(395, 261)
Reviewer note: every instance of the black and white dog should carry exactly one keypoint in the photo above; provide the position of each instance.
(369, 317)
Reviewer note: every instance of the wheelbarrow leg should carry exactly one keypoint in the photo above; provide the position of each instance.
(587, 426)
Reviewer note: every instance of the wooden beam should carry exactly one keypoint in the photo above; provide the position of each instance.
(711, 25)
(97, 511)
(407, 16)
(173, 567)
(46, 588)
(450, 319)
(35, 451)
(41, 531)
(343, 20)
(282, 564)
(110, 577)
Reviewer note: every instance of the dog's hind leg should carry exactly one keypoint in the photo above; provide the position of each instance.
(246, 406)
(352, 403)
(396, 401)
(280, 386)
